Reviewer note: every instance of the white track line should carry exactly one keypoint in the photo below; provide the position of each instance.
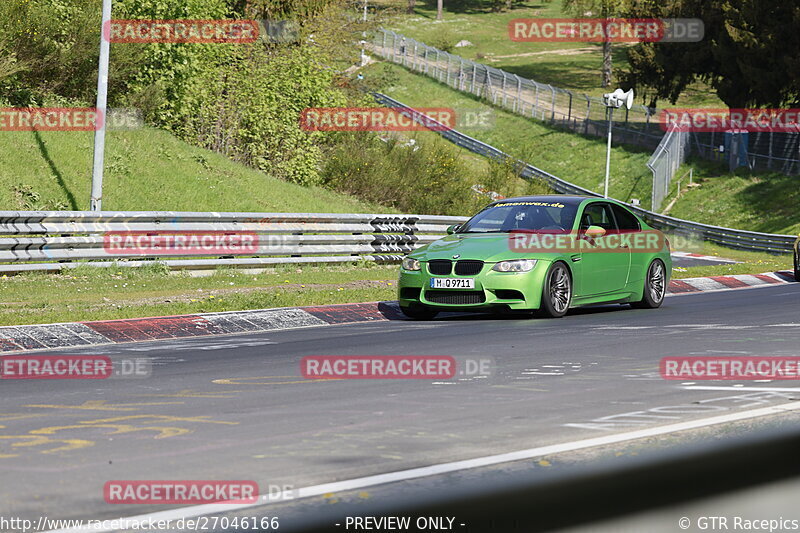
(444, 468)
(743, 388)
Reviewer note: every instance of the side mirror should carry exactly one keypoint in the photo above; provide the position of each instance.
(595, 232)
(452, 229)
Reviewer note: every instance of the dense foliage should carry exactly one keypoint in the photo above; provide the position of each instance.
(423, 174)
(241, 100)
(750, 54)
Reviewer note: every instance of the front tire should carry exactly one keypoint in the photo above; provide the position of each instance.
(419, 312)
(556, 292)
(655, 286)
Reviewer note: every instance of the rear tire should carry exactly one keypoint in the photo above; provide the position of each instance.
(655, 286)
(419, 312)
(556, 292)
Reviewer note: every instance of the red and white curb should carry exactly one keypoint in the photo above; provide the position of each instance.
(45, 336)
(76, 334)
(738, 281)
(701, 257)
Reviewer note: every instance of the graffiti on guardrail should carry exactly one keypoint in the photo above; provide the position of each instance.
(394, 224)
(399, 244)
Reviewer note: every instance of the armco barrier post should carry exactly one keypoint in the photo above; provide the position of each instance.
(474, 73)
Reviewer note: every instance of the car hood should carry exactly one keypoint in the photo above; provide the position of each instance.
(490, 247)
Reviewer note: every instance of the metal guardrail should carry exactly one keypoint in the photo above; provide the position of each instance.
(50, 241)
(54, 240)
(733, 238)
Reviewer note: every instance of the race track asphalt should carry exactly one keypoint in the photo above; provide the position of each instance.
(237, 407)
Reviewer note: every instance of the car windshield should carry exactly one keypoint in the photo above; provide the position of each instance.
(522, 216)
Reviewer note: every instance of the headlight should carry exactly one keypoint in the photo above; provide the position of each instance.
(517, 265)
(409, 263)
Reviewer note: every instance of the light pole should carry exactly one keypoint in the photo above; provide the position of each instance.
(102, 97)
(614, 101)
(364, 36)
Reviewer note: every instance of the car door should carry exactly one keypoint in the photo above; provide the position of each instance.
(604, 261)
(628, 224)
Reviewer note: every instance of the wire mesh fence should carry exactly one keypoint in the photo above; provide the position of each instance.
(763, 150)
(670, 154)
(580, 113)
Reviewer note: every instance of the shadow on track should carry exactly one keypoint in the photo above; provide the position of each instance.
(391, 311)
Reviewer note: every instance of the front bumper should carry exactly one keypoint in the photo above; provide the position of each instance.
(492, 289)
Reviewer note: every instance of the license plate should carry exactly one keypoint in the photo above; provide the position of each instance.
(452, 283)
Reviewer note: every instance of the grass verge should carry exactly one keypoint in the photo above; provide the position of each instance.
(91, 293)
(750, 263)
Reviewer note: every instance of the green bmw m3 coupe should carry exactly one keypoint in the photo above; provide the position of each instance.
(539, 253)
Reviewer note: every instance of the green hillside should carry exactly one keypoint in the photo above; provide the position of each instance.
(150, 170)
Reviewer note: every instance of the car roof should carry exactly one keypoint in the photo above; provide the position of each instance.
(561, 198)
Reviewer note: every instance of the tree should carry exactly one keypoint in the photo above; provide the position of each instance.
(750, 54)
(605, 9)
(51, 47)
(411, 5)
(439, 10)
